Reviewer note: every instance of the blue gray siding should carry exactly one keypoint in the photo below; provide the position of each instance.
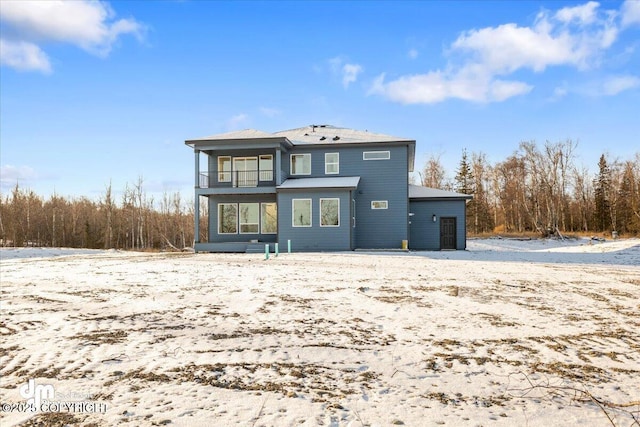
(380, 180)
(214, 237)
(425, 234)
(315, 238)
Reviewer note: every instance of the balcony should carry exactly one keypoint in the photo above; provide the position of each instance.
(236, 179)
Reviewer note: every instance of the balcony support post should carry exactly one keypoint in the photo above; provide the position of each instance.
(278, 167)
(196, 215)
(197, 168)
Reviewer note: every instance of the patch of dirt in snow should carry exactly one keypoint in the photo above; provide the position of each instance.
(499, 335)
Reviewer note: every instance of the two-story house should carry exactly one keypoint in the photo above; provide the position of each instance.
(319, 188)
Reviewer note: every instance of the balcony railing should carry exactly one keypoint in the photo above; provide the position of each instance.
(235, 178)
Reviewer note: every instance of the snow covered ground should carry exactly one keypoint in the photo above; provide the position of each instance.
(507, 333)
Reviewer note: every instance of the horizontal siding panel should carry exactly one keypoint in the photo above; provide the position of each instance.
(315, 238)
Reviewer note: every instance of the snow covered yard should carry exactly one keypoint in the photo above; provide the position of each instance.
(507, 333)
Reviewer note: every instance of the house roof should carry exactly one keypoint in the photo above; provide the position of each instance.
(313, 134)
(334, 182)
(307, 135)
(419, 192)
(327, 134)
(238, 134)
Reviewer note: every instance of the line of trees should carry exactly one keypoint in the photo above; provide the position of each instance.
(136, 221)
(539, 190)
(542, 190)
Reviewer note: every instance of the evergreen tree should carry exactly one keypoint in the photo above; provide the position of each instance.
(601, 188)
(464, 177)
(465, 184)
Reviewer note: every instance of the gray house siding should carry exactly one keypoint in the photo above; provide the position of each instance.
(382, 180)
(315, 238)
(214, 237)
(379, 180)
(424, 233)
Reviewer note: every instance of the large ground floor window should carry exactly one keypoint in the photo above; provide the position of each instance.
(301, 212)
(247, 218)
(329, 212)
(227, 218)
(269, 218)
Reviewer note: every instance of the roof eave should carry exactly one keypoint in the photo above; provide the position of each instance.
(204, 143)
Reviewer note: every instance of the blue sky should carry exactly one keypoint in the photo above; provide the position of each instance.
(99, 92)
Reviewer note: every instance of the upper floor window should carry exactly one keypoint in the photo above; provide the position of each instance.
(301, 164)
(376, 155)
(331, 163)
(266, 167)
(224, 168)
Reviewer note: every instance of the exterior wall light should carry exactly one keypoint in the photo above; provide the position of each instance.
(433, 218)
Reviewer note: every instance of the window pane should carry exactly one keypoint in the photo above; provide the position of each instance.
(245, 171)
(269, 218)
(331, 163)
(266, 168)
(301, 212)
(376, 155)
(379, 204)
(249, 214)
(227, 218)
(329, 212)
(224, 169)
(301, 164)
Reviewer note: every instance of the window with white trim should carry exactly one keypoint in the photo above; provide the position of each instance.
(331, 163)
(249, 218)
(379, 204)
(376, 155)
(301, 212)
(269, 218)
(329, 212)
(266, 167)
(301, 164)
(227, 218)
(224, 168)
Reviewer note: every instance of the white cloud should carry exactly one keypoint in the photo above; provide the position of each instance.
(90, 25)
(630, 11)
(560, 92)
(437, 86)
(617, 84)
(270, 112)
(347, 72)
(583, 14)
(413, 53)
(350, 74)
(236, 122)
(10, 175)
(572, 36)
(23, 56)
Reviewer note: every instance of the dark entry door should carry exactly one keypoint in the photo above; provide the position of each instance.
(447, 233)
